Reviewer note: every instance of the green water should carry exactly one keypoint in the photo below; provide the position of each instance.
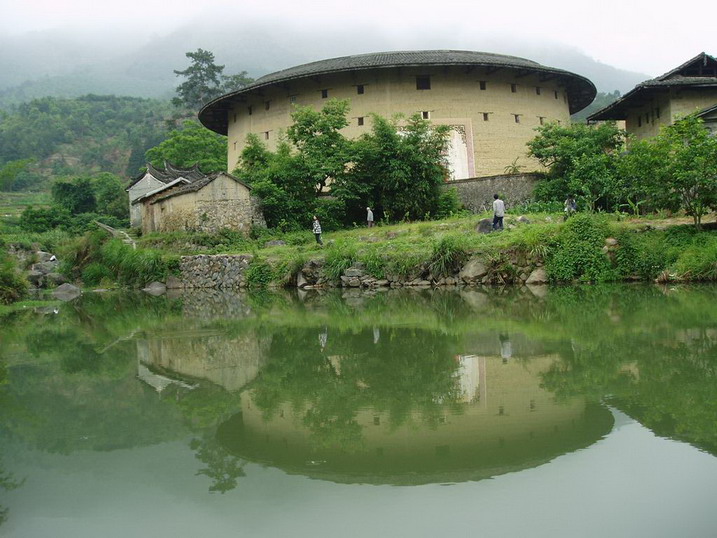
(571, 411)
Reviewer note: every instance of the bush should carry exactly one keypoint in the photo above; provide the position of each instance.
(447, 257)
(578, 253)
(339, 257)
(448, 204)
(259, 274)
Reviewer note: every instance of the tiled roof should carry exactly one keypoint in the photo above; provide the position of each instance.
(169, 174)
(698, 72)
(195, 186)
(580, 90)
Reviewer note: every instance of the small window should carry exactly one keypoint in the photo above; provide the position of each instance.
(556, 94)
(486, 116)
(266, 135)
(657, 112)
(537, 90)
(517, 118)
(250, 110)
(647, 117)
(426, 114)
(267, 105)
(423, 82)
(513, 88)
(360, 89)
(639, 121)
(324, 94)
(235, 118)
(482, 84)
(292, 99)
(541, 119)
(359, 120)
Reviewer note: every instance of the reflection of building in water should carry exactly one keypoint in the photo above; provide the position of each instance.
(506, 422)
(159, 382)
(212, 355)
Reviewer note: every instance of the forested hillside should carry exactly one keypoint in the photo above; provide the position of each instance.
(51, 137)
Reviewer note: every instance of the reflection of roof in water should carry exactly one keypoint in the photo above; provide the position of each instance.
(472, 459)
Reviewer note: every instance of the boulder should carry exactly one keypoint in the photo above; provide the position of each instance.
(485, 226)
(66, 292)
(174, 283)
(55, 279)
(538, 276)
(155, 288)
(43, 256)
(45, 267)
(472, 270)
(523, 219)
(35, 277)
(301, 280)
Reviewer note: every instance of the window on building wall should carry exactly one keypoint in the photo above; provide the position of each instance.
(360, 89)
(250, 110)
(482, 84)
(423, 82)
(537, 90)
(647, 117)
(267, 105)
(556, 94)
(235, 118)
(426, 115)
(266, 135)
(517, 118)
(486, 116)
(639, 121)
(359, 121)
(292, 99)
(513, 88)
(541, 120)
(657, 112)
(324, 94)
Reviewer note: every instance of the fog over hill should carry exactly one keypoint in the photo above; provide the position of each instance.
(64, 63)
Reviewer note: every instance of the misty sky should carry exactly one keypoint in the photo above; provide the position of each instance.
(645, 36)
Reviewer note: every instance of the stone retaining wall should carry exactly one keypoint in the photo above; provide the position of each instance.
(217, 271)
(476, 194)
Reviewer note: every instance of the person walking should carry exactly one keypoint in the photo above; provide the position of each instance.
(316, 228)
(498, 212)
(369, 217)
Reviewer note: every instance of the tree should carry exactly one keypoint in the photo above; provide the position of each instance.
(10, 173)
(75, 195)
(110, 195)
(205, 81)
(191, 144)
(322, 149)
(678, 167)
(279, 180)
(581, 160)
(396, 169)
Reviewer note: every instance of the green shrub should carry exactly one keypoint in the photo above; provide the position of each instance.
(13, 286)
(95, 273)
(447, 257)
(339, 257)
(578, 253)
(699, 261)
(448, 204)
(259, 274)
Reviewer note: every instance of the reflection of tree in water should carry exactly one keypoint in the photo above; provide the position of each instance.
(657, 364)
(221, 467)
(405, 370)
(7, 481)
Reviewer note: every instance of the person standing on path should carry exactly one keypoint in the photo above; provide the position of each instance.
(369, 217)
(498, 212)
(316, 228)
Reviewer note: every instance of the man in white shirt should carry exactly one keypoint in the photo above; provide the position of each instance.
(498, 212)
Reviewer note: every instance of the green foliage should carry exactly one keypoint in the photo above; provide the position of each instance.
(11, 174)
(322, 150)
(339, 257)
(582, 160)
(13, 286)
(397, 170)
(447, 257)
(76, 195)
(205, 81)
(191, 144)
(676, 169)
(578, 253)
(42, 220)
(448, 204)
(88, 134)
(259, 274)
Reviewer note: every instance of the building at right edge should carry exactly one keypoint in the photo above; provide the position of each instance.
(689, 88)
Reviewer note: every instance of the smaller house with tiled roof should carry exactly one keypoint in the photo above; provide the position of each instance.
(193, 201)
(687, 89)
(154, 180)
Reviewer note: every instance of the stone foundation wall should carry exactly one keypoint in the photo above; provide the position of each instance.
(476, 194)
(214, 271)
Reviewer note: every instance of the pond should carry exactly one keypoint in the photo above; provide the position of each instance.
(562, 411)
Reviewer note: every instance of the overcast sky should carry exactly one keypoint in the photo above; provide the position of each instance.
(645, 36)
